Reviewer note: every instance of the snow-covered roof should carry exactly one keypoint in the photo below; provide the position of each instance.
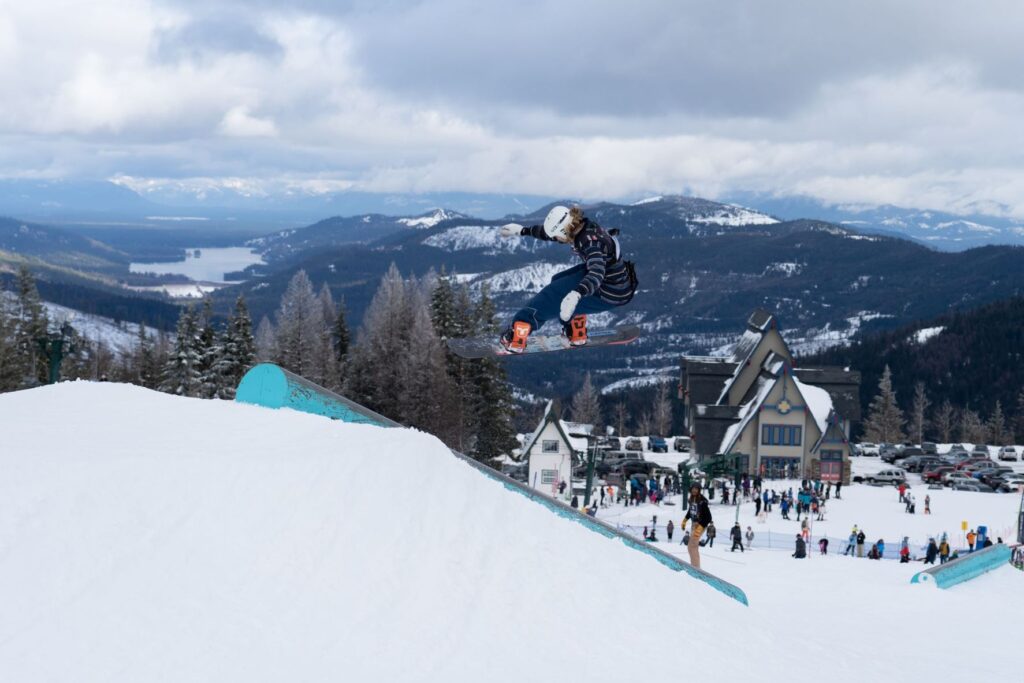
(816, 399)
(575, 443)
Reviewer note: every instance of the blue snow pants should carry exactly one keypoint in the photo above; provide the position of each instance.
(546, 303)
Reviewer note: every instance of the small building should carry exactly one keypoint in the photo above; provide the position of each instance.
(552, 451)
(756, 404)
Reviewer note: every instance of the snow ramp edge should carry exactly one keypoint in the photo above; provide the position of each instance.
(270, 386)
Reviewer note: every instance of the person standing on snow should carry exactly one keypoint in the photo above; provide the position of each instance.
(931, 552)
(737, 538)
(711, 533)
(860, 543)
(602, 282)
(700, 515)
(851, 542)
(749, 536)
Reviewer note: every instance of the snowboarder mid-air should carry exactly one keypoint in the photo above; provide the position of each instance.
(602, 282)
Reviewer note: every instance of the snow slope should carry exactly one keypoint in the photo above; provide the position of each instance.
(151, 537)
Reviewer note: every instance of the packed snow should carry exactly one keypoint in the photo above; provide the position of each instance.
(735, 216)
(152, 537)
(531, 278)
(485, 237)
(923, 335)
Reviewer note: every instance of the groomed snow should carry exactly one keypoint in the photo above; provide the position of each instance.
(150, 537)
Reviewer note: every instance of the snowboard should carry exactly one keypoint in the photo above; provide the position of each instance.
(485, 347)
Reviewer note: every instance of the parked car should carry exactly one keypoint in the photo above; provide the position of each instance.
(682, 444)
(888, 452)
(954, 478)
(634, 444)
(955, 457)
(929, 448)
(916, 463)
(889, 476)
(855, 450)
(964, 464)
(1007, 453)
(657, 444)
(869, 449)
(611, 443)
(977, 487)
(935, 474)
(980, 449)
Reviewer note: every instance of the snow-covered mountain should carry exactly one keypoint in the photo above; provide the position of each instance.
(937, 229)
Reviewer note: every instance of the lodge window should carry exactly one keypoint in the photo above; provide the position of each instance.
(781, 435)
(549, 446)
(548, 477)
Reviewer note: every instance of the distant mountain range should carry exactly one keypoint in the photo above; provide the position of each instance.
(233, 206)
(936, 229)
(702, 267)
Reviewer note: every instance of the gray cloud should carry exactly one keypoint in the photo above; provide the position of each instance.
(211, 36)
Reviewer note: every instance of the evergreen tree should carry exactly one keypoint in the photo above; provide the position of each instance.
(972, 429)
(340, 336)
(997, 425)
(238, 351)
(144, 362)
(917, 413)
(885, 420)
(493, 403)
(209, 349)
(300, 330)
(424, 388)
(181, 372)
(451, 319)
(30, 325)
(943, 420)
(9, 376)
(1020, 417)
(586, 404)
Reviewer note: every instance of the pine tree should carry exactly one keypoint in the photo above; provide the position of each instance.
(586, 404)
(885, 419)
(9, 376)
(341, 334)
(146, 371)
(972, 429)
(451, 319)
(209, 349)
(181, 372)
(238, 351)
(1020, 417)
(493, 406)
(997, 425)
(942, 421)
(917, 413)
(30, 325)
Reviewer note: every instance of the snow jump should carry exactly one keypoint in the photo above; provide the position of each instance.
(270, 386)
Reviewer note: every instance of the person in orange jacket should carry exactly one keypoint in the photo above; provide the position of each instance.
(971, 538)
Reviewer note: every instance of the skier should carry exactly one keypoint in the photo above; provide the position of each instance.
(700, 514)
(602, 282)
(852, 542)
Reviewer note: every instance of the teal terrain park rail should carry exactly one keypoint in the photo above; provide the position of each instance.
(965, 567)
(271, 386)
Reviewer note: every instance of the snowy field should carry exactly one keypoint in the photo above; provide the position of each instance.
(148, 537)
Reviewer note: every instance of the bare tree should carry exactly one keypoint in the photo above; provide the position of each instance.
(997, 425)
(662, 413)
(586, 404)
(917, 413)
(620, 417)
(942, 421)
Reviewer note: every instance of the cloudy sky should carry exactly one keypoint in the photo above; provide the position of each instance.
(917, 103)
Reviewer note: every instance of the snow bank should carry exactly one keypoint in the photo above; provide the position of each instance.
(149, 537)
(154, 537)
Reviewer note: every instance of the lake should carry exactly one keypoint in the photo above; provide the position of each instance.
(209, 266)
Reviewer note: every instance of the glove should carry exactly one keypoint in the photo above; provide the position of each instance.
(511, 230)
(569, 305)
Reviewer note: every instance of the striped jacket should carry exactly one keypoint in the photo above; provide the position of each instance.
(607, 275)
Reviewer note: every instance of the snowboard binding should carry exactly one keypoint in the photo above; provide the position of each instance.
(514, 338)
(576, 330)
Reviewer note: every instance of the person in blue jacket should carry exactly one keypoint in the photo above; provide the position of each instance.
(602, 282)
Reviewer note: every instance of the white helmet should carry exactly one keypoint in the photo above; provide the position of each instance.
(556, 225)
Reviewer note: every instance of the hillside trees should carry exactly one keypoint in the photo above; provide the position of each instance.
(885, 419)
(586, 404)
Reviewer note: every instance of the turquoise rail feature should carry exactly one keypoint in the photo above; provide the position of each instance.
(965, 567)
(271, 386)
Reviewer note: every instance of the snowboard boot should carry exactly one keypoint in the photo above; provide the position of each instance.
(514, 337)
(576, 330)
